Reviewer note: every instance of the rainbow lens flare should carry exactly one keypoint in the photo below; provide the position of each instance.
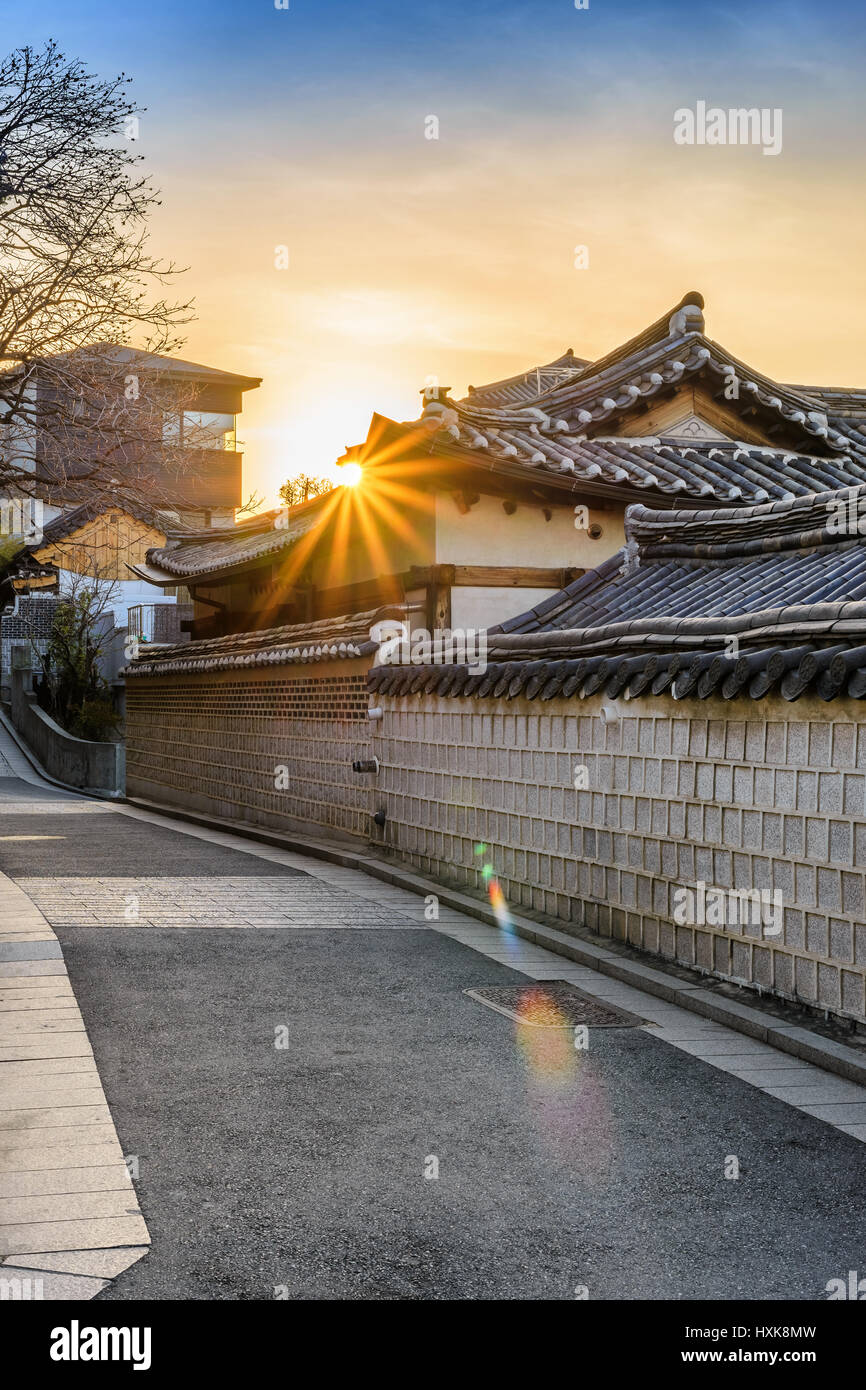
(494, 891)
(545, 1038)
(565, 1092)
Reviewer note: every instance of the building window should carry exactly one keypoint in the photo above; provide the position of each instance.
(171, 429)
(200, 429)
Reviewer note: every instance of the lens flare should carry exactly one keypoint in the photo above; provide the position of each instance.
(565, 1090)
(499, 905)
(546, 1039)
(494, 892)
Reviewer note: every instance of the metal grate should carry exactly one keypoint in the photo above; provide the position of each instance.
(553, 1004)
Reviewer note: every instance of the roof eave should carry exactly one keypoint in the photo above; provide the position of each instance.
(154, 575)
(557, 485)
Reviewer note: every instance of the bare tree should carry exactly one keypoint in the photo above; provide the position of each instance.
(302, 488)
(76, 281)
(70, 685)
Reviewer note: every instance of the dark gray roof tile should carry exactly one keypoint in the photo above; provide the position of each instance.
(666, 608)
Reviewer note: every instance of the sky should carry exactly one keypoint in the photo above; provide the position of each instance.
(455, 257)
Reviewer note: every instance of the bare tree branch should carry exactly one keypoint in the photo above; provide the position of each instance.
(77, 279)
(302, 488)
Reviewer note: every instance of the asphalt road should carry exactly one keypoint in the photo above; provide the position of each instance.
(301, 1168)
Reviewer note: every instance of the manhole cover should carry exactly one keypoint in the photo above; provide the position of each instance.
(553, 1004)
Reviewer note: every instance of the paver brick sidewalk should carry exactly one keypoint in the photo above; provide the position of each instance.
(69, 1216)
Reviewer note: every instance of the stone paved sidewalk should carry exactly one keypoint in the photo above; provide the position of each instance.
(69, 1216)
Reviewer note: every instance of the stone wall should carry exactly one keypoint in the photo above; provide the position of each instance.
(77, 762)
(752, 795)
(274, 748)
(749, 795)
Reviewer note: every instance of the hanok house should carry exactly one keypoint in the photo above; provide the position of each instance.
(182, 471)
(666, 750)
(488, 505)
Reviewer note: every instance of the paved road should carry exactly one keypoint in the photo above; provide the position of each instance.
(302, 1168)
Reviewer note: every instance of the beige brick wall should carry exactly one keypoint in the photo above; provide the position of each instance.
(213, 743)
(763, 795)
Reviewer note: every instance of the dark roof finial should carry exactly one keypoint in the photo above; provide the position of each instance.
(434, 392)
(688, 317)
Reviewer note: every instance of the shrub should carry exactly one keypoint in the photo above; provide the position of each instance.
(96, 720)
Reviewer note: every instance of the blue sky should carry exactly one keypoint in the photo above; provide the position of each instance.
(454, 257)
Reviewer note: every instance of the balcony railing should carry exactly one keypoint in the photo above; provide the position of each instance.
(159, 623)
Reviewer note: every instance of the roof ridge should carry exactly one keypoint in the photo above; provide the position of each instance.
(638, 512)
(657, 332)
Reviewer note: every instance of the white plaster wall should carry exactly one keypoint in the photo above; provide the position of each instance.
(486, 535)
(473, 607)
(127, 593)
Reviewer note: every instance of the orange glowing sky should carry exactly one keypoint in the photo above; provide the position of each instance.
(344, 332)
(455, 257)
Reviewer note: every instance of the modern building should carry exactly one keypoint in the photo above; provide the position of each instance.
(182, 470)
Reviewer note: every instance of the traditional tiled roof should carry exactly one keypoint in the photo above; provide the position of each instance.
(698, 602)
(565, 438)
(571, 430)
(720, 471)
(840, 400)
(714, 565)
(520, 389)
(20, 569)
(70, 521)
(215, 552)
(601, 396)
(329, 639)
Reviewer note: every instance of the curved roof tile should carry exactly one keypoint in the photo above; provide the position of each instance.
(730, 601)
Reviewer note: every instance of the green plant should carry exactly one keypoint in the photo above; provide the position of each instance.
(96, 720)
(71, 688)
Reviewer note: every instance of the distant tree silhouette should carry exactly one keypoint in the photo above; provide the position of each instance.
(302, 488)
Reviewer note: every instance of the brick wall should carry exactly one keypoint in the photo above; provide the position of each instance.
(763, 795)
(751, 795)
(214, 743)
(31, 624)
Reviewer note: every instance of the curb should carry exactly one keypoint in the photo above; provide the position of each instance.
(742, 1018)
